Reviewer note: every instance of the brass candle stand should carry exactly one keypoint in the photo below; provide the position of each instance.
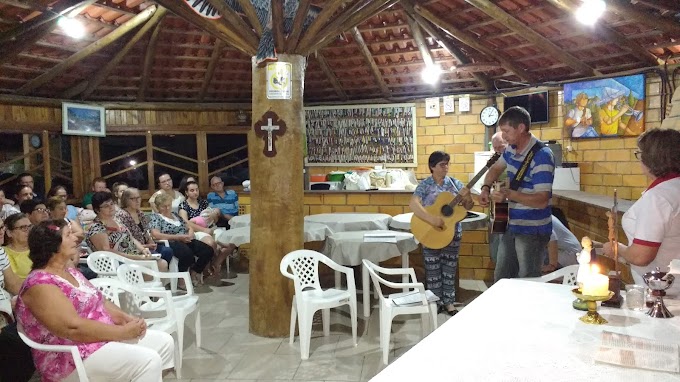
(592, 317)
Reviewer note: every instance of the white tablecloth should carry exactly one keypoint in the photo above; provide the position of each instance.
(527, 331)
(403, 221)
(349, 248)
(239, 221)
(350, 221)
(241, 235)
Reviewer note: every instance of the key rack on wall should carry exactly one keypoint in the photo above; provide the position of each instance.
(361, 135)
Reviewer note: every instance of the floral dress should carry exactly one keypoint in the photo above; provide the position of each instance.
(88, 303)
(168, 227)
(120, 238)
(194, 212)
(136, 230)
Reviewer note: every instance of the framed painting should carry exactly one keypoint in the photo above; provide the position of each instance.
(603, 108)
(80, 119)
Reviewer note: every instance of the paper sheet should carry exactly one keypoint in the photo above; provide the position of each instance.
(637, 352)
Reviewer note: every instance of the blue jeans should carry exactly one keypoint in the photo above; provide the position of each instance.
(520, 255)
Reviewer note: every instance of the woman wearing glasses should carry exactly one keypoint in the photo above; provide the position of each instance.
(165, 185)
(107, 234)
(652, 224)
(16, 244)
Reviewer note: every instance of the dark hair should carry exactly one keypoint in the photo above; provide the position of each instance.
(19, 187)
(99, 198)
(98, 180)
(184, 181)
(54, 202)
(436, 157)
(22, 175)
(183, 188)
(11, 223)
(159, 174)
(44, 241)
(516, 116)
(53, 191)
(660, 151)
(28, 206)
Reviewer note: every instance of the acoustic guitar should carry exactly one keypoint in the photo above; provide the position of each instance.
(498, 214)
(444, 206)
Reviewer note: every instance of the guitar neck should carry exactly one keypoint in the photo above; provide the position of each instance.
(475, 178)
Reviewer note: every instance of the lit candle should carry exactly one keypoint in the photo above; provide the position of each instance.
(595, 284)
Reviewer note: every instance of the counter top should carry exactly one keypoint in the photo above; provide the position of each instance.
(594, 199)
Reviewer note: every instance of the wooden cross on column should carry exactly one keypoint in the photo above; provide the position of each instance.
(269, 127)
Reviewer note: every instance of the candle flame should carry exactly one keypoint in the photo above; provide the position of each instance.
(594, 269)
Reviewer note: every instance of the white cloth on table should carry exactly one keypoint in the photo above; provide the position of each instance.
(350, 221)
(349, 248)
(241, 235)
(540, 338)
(402, 221)
(140, 360)
(240, 221)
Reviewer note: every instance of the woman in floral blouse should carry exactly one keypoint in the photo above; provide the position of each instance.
(168, 225)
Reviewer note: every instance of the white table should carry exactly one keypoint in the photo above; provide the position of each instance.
(241, 235)
(479, 220)
(239, 221)
(350, 221)
(527, 331)
(349, 248)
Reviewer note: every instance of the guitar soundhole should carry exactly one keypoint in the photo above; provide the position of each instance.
(447, 210)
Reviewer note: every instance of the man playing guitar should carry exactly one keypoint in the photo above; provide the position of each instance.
(530, 224)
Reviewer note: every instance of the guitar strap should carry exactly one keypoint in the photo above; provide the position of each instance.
(515, 183)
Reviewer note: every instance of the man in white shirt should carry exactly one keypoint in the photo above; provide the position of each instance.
(562, 248)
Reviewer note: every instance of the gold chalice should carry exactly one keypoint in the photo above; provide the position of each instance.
(592, 317)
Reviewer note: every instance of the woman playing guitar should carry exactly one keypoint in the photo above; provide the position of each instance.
(440, 264)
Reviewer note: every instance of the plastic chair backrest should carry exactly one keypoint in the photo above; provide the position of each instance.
(304, 265)
(130, 275)
(376, 279)
(103, 263)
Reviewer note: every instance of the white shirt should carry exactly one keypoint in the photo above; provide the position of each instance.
(8, 210)
(568, 245)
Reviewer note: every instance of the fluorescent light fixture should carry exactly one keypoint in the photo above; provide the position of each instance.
(590, 11)
(431, 74)
(72, 27)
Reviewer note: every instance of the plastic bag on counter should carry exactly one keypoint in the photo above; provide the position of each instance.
(357, 181)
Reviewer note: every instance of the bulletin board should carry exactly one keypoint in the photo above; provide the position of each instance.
(361, 135)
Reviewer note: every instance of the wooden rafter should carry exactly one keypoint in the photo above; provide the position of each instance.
(51, 17)
(662, 5)
(31, 5)
(298, 22)
(251, 15)
(432, 30)
(624, 8)
(472, 41)
(10, 50)
(371, 62)
(420, 41)
(210, 72)
(331, 76)
(319, 22)
(233, 21)
(527, 33)
(213, 27)
(148, 61)
(277, 25)
(102, 74)
(330, 30)
(87, 51)
(611, 35)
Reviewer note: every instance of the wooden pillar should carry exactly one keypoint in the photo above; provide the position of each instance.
(277, 199)
(47, 161)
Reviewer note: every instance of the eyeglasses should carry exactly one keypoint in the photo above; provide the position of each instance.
(24, 228)
(638, 154)
(44, 210)
(107, 204)
(165, 181)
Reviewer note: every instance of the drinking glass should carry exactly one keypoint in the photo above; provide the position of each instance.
(635, 297)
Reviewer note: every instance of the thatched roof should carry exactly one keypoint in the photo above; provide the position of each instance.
(135, 50)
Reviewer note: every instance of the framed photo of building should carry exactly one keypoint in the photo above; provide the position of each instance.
(603, 108)
(79, 119)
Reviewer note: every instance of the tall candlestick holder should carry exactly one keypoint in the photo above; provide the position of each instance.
(592, 317)
(615, 275)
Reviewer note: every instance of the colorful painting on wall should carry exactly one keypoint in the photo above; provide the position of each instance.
(603, 108)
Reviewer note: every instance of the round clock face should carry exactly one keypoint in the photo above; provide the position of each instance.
(35, 141)
(489, 116)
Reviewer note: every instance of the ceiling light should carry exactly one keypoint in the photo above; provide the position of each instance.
(590, 11)
(72, 27)
(431, 74)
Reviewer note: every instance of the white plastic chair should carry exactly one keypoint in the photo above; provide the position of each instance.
(184, 305)
(80, 368)
(112, 289)
(309, 297)
(567, 273)
(105, 264)
(388, 309)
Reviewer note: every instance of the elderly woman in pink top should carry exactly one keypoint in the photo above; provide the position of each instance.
(58, 306)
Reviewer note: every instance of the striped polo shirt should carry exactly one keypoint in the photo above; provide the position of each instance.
(538, 178)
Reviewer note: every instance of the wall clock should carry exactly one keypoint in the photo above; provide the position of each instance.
(489, 116)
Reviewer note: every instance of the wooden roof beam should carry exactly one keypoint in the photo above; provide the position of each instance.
(210, 72)
(319, 22)
(233, 21)
(31, 5)
(611, 35)
(331, 76)
(251, 15)
(87, 51)
(277, 25)
(371, 62)
(497, 13)
(148, 62)
(624, 8)
(473, 42)
(420, 41)
(298, 23)
(102, 74)
(51, 16)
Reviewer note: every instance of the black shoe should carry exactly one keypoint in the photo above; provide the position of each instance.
(440, 309)
(451, 312)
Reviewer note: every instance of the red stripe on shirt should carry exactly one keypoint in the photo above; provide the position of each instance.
(662, 179)
(646, 243)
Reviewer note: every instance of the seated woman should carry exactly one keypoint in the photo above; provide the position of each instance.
(60, 191)
(652, 224)
(131, 216)
(35, 209)
(117, 190)
(16, 244)
(106, 234)
(189, 210)
(167, 225)
(165, 188)
(58, 211)
(58, 306)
